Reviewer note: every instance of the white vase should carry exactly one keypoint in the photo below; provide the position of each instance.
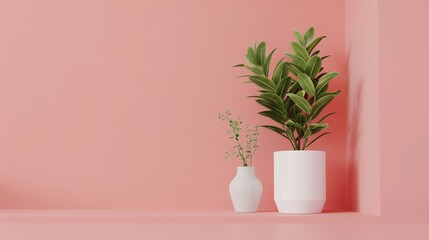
(300, 181)
(245, 190)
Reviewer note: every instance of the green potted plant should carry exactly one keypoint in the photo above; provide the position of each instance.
(295, 95)
(245, 189)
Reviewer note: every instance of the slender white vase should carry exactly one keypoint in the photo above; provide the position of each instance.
(245, 190)
(300, 181)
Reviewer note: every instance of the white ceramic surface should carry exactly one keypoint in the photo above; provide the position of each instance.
(245, 190)
(300, 181)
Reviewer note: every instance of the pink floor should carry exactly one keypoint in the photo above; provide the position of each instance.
(138, 224)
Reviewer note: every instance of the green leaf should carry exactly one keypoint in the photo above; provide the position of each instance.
(306, 84)
(282, 86)
(267, 63)
(325, 57)
(300, 38)
(291, 123)
(309, 34)
(293, 110)
(315, 127)
(256, 69)
(273, 98)
(307, 133)
(300, 50)
(313, 66)
(324, 80)
(301, 93)
(299, 61)
(277, 130)
(314, 43)
(279, 118)
(329, 93)
(244, 76)
(320, 104)
(250, 56)
(278, 72)
(324, 117)
(321, 135)
(301, 119)
(273, 107)
(239, 65)
(315, 53)
(263, 82)
(292, 68)
(322, 91)
(291, 137)
(260, 53)
(318, 125)
(300, 102)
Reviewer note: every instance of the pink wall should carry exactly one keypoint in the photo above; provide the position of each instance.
(363, 140)
(113, 104)
(387, 135)
(404, 108)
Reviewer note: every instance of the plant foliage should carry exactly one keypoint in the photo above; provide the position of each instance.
(296, 92)
(243, 150)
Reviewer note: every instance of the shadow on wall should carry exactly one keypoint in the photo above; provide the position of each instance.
(353, 133)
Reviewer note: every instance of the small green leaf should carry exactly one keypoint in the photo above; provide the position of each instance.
(263, 82)
(315, 127)
(313, 66)
(329, 93)
(314, 43)
(278, 72)
(320, 104)
(293, 110)
(282, 86)
(307, 133)
(306, 84)
(267, 63)
(301, 119)
(315, 53)
(291, 137)
(300, 38)
(301, 93)
(300, 102)
(260, 53)
(318, 125)
(256, 69)
(324, 80)
(277, 130)
(324, 117)
(300, 50)
(321, 135)
(273, 107)
(251, 57)
(299, 61)
(273, 98)
(279, 118)
(309, 34)
(291, 123)
(292, 68)
(239, 65)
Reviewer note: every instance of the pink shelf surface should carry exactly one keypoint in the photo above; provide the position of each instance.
(162, 224)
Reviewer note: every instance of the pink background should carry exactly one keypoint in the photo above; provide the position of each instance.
(387, 149)
(403, 98)
(363, 127)
(113, 104)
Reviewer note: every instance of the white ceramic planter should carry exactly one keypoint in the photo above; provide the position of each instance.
(300, 181)
(245, 190)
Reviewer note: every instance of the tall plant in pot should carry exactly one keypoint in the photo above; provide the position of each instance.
(245, 189)
(295, 95)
